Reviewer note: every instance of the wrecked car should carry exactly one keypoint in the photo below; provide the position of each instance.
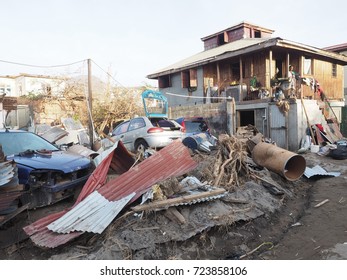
(47, 173)
(141, 133)
(193, 125)
(154, 130)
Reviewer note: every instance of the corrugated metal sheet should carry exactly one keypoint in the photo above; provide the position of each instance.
(6, 172)
(93, 214)
(277, 126)
(54, 134)
(319, 171)
(83, 151)
(126, 187)
(38, 231)
(122, 160)
(173, 160)
(8, 186)
(9, 179)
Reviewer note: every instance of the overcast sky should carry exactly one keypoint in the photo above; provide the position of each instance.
(131, 39)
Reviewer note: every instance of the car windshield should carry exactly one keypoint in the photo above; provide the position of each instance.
(14, 143)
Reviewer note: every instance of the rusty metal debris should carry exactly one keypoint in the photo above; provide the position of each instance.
(288, 164)
(53, 134)
(10, 190)
(173, 160)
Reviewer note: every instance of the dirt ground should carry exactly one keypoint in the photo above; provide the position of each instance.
(254, 222)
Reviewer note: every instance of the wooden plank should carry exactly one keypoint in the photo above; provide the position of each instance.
(164, 204)
(173, 214)
(335, 129)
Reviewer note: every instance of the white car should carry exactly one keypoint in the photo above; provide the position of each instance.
(141, 133)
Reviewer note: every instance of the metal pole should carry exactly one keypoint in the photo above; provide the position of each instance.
(90, 124)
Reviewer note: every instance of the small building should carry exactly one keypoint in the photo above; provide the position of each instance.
(246, 63)
(25, 84)
(14, 86)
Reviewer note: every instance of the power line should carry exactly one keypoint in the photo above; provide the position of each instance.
(41, 66)
(108, 74)
(199, 97)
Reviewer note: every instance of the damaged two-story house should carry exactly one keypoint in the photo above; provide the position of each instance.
(246, 63)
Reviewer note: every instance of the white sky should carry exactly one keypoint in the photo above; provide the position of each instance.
(132, 39)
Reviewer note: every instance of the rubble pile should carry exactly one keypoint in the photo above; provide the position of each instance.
(231, 162)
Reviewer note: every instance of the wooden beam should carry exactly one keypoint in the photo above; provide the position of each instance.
(268, 82)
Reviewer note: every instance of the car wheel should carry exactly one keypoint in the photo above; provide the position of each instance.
(141, 146)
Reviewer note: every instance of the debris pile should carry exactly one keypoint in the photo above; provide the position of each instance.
(10, 189)
(231, 162)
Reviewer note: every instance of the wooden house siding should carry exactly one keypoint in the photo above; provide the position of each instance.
(258, 65)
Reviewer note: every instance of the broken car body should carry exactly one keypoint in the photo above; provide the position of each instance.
(154, 130)
(47, 173)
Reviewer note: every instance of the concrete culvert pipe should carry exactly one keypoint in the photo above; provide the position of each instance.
(288, 164)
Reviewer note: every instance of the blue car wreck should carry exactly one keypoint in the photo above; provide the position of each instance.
(47, 173)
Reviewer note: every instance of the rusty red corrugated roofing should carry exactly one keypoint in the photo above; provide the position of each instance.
(98, 210)
(38, 231)
(173, 160)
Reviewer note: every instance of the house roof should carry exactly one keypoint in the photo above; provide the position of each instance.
(242, 47)
(337, 48)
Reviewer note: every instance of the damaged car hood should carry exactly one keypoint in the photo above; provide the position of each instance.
(59, 160)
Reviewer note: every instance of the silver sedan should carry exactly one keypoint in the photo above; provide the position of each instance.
(141, 133)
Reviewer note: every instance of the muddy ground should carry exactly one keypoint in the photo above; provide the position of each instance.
(254, 222)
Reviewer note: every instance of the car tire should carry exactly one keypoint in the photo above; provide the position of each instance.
(141, 146)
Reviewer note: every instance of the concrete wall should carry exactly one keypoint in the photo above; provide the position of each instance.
(214, 113)
(286, 130)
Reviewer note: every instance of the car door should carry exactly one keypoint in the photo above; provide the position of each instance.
(137, 129)
(120, 134)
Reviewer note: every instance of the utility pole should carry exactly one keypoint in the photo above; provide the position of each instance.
(90, 125)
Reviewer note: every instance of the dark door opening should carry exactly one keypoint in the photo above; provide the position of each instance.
(246, 118)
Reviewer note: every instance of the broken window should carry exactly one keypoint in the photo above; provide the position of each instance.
(222, 38)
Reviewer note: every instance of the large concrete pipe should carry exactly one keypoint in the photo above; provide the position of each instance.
(281, 161)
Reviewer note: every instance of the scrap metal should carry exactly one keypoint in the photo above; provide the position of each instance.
(54, 134)
(173, 160)
(319, 171)
(83, 151)
(129, 186)
(7, 172)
